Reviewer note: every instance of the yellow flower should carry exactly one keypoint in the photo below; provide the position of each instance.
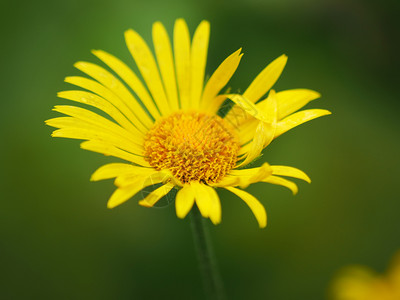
(361, 283)
(169, 126)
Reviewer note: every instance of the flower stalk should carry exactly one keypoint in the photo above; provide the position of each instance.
(213, 286)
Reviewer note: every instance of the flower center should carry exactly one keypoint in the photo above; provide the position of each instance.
(193, 146)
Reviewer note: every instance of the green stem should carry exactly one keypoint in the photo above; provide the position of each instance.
(211, 278)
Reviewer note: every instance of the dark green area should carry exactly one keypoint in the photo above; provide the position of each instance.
(59, 241)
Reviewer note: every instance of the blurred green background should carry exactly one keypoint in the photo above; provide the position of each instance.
(59, 241)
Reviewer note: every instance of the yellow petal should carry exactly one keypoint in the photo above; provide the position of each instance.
(160, 176)
(248, 106)
(116, 169)
(215, 204)
(207, 201)
(299, 118)
(203, 203)
(150, 176)
(228, 180)
(100, 103)
(290, 172)
(263, 136)
(249, 176)
(218, 80)
(145, 61)
(237, 116)
(74, 128)
(82, 132)
(156, 195)
(110, 150)
(246, 130)
(94, 131)
(162, 46)
(292, 100)
(126, 74)
(265, 131)
(256, 207)
(105, 93)
(198, 61)
(184, 201)
(283, 182)
(122, 195)
(182, 61)
(99, 121)
(117, 87)
(266, 79)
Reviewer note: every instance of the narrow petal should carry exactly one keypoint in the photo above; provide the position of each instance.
(291, 101)
(256, 207)
(299, 118)
(283, 182)
(122, 195)
(156, 195)
(100, 103)
(105, 93)
(113, 170)
(203, 202)
(182, 61)
(123, 71)
(87, 125)
(198, 61)
(184, 201)
(265, 80)
(249, 176)
(110, 150)
(149, 175)
(82, 133)
(208, 201)
(215, 204)
(147, 65)
(162, 46)
(228, 180)
(290, 172)
(218, 80)
(82, 118)
(99, 121)
(117, 87)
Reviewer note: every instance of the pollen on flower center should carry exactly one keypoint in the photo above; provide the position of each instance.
(194, 146)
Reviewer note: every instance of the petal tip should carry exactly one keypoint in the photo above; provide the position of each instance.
(144, 203)
(110, 205)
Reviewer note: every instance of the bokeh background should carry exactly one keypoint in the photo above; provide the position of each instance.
(58, 240)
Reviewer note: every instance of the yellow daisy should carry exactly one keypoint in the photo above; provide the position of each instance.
(168, 124)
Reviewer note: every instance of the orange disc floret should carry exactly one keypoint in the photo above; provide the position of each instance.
(194, 146)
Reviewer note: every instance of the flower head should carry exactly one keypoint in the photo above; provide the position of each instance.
(168, 125)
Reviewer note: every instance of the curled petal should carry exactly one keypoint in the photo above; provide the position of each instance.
(290, 172)
(283, 182)
(256, 207)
